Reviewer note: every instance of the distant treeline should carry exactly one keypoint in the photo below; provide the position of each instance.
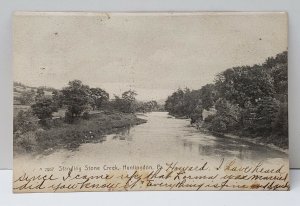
(25, 87)
(249, 101)
(77, 100)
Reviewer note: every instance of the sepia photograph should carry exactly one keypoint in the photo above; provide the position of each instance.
(150, 101)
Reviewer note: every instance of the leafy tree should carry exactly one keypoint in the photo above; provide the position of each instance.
(25, 121)
(266, 112)
(75, 97)
(278, 68)
(27, 97)
(57, 98)
(281, 58)
(175, 103)
(208, 95)
(118, 103)
(19, 84)
(39, 94)
(44, 108)
(191, 103)
(98, 97)
(129, 101)
(280, 122)
(242, 84)
(280, 77)
(249, 100)
(227, 117)
(147, 106)
(129, 95)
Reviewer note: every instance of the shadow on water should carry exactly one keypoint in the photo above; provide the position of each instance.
(238, 148)
(171, 137)
(123, 134)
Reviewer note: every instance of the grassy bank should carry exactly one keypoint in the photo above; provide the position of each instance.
(71, 136)
(278, 143)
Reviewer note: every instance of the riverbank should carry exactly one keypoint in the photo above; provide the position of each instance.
(260, 141)
(256, 140)
(71, 136)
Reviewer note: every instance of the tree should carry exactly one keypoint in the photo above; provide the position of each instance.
(249, 100)
(118, 103)
(208, 95)
(75, 97)
(175, 103)
(265, 112)
(27, 97)
(280, 122)
(201, 99)
(98, 97)
(44, 108)
(129, 101)
(39, 93)
(227, 117)
(57, 98)
(25, 127)
(280, 75)
(147, 106)
(191, 103)
(242, 84)
(281, 58)
(25, 121)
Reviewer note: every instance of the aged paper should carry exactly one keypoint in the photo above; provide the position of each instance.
(150, 101)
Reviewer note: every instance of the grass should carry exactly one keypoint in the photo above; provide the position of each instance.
(18, 108)
(71, 136)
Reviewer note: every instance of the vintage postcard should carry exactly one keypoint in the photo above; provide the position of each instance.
(150, 101)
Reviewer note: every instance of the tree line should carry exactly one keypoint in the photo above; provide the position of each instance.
(248, 101)
(78, 100)
(84, 114)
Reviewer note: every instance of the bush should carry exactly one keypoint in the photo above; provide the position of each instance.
(27, 97)
(26, 141)
(75, 97)
(209, 118)
(85, 115)
(44, 108)
(69, 117)
(25, 121)
(219, 125)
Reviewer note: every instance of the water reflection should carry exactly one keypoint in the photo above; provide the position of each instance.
(163, 135)
(188, 145)
(123, 134)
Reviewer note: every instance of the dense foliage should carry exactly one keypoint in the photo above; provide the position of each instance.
(247, 100)
(76, 103)
(82, 114)
(44, 108)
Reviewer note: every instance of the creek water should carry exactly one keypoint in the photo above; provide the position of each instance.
(163, 137)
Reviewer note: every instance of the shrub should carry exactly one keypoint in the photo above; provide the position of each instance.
(209, 118)
(69, 117)
(44, 108)
(27, 97)
(219, 125)
(25, 121)
(85, 115)
(26, 141)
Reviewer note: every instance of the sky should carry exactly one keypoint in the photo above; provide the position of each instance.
(151, 53)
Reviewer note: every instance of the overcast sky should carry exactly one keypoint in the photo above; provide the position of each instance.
(153, 54)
